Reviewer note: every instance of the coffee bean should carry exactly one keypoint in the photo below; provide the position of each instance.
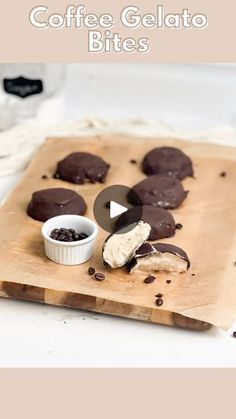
(83, 236)
(67, 235)
(178, 226)
(168, 281)
(55, 231)
(91, 270)
(159, 302)
(159, 295)
(45, 177)
(223, 174)
(99, 276)
(234, 334)
(149, 279)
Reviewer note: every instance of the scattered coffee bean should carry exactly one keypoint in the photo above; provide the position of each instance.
(234, 334)
(223, 174)
(133, 161)
(178, 226)
(149, 279)
(159, 302)
(168, 281)
(159, 295)
(99, 276)
(45, 177)
(91, 270)
(67, 235)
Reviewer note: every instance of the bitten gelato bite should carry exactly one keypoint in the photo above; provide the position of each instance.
(157, 257)
(120, 247)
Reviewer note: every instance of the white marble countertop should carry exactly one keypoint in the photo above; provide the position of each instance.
(34, 335)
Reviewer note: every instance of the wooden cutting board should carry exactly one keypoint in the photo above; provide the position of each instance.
(28, 275)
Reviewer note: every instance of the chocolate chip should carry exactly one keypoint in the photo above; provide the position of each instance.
(234, 334)
(149, 279)
(44, 177)
(178, 226)
(99, 276)
(67, 235)
(133, 161)
(91, 270)
(168, 281)
(223, 174)
(159, 295)
(159, 302)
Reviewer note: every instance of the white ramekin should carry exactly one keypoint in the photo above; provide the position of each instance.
(70, 253)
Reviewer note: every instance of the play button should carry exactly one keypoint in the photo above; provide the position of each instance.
(116, 209)
(110, 204)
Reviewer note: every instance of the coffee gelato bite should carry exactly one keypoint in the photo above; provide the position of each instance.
(82, 168)
(158, 191)
(168, 161)
(49, 203)
(159, 257)
(161, 221)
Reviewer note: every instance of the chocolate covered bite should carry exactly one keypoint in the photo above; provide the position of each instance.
(168, 161)
(159, 257)
(161, 221)
(158, 191)
(82, 168)
(49, 203)
(120, 247)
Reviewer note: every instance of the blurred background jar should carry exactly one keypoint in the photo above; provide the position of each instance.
(23, 87)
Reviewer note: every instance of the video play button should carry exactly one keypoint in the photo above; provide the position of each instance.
(109, 206)
(116, 209)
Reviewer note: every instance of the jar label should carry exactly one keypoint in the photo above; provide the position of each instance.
(22, 87)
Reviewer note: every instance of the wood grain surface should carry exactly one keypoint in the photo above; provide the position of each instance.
(190, 301)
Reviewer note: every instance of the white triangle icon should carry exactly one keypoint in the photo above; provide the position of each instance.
(116, 209)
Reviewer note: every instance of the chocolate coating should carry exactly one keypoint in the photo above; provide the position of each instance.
(158, 191)
(161, 221)
(81, 168)
(49, 203)
(168, 161)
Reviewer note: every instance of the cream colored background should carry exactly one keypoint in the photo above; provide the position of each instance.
(24, 43)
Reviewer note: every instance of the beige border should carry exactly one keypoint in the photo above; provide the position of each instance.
(122, 393)
(24, 43)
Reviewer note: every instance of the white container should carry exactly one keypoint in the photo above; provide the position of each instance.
(70, 253)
